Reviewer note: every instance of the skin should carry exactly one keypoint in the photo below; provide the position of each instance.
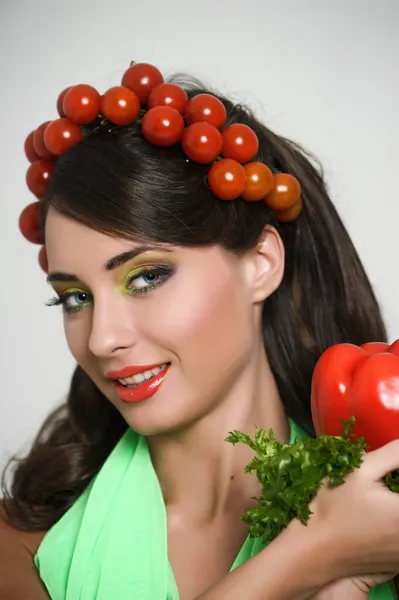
(205, 319)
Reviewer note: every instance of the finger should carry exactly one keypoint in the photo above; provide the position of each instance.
(379, 463)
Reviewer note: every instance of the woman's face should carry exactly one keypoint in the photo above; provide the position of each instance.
(176, 325)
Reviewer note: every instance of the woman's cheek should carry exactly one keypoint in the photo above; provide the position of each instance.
(77, 333)
(200, 312)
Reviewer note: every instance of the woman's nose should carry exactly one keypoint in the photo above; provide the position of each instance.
(113, 327)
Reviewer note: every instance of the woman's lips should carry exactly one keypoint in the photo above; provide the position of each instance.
(141, 391)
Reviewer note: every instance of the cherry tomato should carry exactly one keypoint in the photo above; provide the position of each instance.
(60, 101)
(30, 151)
(168, 94)
(43, 262)
(29, 224)
(240, 142)
(120, 105)
(61, 135)
(205, 107)
(259, 181)
(162, 126)
(285, 193)
(142, 78)
(81, 104)
(38, 142)
(38, 176)
(202, 142)
(227, 179)
(290, 214)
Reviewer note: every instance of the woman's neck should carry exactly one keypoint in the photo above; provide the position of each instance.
(199, 472)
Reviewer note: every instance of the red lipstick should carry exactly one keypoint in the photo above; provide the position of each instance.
(141, 391)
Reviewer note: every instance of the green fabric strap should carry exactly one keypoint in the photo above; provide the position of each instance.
(112, 543)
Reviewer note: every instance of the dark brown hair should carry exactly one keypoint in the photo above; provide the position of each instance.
(118, 184)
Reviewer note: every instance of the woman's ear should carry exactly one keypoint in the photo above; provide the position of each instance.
(266, 265)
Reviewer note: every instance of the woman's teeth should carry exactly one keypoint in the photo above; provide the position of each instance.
(140, 377)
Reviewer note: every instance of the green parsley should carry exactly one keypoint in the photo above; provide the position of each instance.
(291, 475)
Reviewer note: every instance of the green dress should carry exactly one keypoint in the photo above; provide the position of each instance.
(112, 543)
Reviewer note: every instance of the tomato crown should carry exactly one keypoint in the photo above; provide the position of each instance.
(169, 118)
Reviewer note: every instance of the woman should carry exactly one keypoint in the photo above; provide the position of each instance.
(190, 317)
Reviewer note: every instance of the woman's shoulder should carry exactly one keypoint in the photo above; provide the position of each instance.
(30, 540)
(19, 579)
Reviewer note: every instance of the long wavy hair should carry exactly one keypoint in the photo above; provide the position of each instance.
(118, 184)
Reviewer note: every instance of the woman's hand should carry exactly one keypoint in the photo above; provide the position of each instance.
(345, 588)
(352, 588)
(359, 520)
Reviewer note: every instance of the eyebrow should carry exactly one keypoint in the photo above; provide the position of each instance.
(112, 263)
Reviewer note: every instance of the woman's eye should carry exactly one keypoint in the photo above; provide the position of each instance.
(76, 300)
(71, 302)
(144, 281)
(148, 279)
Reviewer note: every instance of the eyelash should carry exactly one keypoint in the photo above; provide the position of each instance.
(162, 271)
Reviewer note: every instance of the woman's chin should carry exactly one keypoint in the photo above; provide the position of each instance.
(152, 420)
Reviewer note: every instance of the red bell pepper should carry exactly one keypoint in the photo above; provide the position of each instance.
(359, 381)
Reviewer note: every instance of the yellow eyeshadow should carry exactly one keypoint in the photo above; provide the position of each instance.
(61, 288)
(126, 278)
(74, 290)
